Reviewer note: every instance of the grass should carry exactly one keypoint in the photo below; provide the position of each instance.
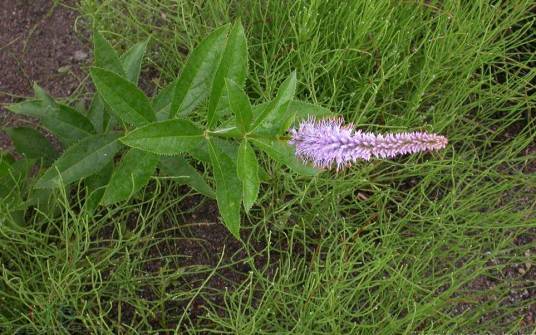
(440, 243)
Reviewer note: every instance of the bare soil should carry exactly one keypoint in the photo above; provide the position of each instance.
(38, 43)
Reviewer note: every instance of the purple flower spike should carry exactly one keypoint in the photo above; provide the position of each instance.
(329, 141)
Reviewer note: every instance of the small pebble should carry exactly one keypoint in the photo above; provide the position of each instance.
(80, 55)
(528, 265)
(64, 69)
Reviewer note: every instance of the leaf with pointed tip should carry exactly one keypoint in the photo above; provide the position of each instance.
(31, 144)
(228, 188)
(233, 66)
(106, 58)
(239, 104)
(196, 78)
(132, 60)
(273, 116)
(105, 55)
(81, 160)
(283, 153)
(178, 168)
(248, 172)
(32, 108)
(133, 173)
(64, 121)
(126, 101)
(46, 100)
(170, 137)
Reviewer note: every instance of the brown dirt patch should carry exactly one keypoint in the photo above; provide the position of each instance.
(37, 44)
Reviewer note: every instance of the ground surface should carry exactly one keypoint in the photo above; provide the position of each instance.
(173, 266)
(37, 44)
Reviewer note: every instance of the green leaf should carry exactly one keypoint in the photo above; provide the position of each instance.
(233, 65)
(274, 116)
(21, 169)
(46, 100)
(240, 105)
(162, 102)
(248, 172)
(132, 174)
(5, 163)
(80, 107)
(81, 160)
(228, 188)
(44, 199)
(96, 185)
(200, 151)
(31, 144)
(229, 148)
(301, 110)
(69, 125)
(64, 121)
(196, 78)
(105, 55)
(296, 112)
(132, 60)
(13, 177)
(169, 137)
(32, 108)
(105, 58)
(178, 168)
(97, 113)
(126, 101)
(164, 97)
(227, 132)
(7, 177)
(283, 153)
